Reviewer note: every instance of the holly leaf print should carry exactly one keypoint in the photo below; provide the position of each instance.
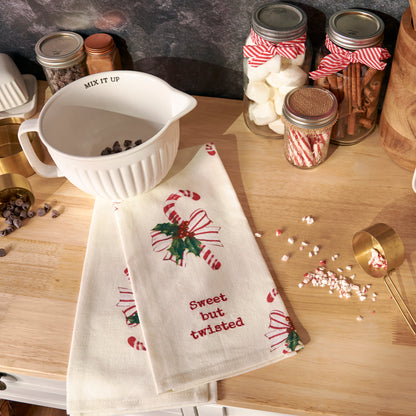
(167, 228)
(193, 245)
(293, 340)
(177, 249)
(133, 319)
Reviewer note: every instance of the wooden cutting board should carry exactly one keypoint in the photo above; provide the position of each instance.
(398, 116)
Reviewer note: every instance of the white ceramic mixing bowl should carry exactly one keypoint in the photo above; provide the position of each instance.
(91, 113)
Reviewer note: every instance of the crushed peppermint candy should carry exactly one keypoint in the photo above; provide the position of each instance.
(258, 235)
(377, 260)
(285, 257)
(322, 277)
(278, 232)
(291, 240)
(308, 219)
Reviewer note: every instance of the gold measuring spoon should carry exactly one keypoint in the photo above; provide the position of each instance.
(383, 240)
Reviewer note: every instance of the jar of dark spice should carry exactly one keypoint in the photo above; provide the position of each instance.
(351, 64)
(102, 53)
(62, 57)
(309, 114)
(277, 60)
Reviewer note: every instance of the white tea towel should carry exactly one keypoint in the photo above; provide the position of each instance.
(109, 371)
(208, 305)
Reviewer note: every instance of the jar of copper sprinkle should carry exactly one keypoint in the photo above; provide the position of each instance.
(309, 113)
(102, 53)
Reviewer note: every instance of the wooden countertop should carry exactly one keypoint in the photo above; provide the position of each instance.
(348, 367)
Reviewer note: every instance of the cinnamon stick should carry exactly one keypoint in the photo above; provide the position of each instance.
(351, 125)
(333, 85)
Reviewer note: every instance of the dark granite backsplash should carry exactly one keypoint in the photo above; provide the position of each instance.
(195, 45)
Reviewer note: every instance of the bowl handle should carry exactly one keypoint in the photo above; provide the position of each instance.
(42, 169)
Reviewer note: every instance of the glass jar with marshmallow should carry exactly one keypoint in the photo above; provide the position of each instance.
(277, 59)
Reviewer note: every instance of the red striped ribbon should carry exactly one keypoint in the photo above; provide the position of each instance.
(263, 50)
(340, 58)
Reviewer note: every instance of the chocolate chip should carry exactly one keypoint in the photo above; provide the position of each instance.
(55, 213)
(117, 147)
(17, 222)
(106, 151)
(41, 211)
(2, 252)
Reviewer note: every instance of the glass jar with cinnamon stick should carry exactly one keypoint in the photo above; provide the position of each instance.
(351, 65)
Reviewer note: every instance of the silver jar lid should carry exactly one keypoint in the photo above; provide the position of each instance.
(60, 49)
(310, 107)
(279, 22)
(355, 29)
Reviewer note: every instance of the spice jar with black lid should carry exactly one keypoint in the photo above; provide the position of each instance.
(277, 60)
(102, 53)
(351, 64)
(62, 57)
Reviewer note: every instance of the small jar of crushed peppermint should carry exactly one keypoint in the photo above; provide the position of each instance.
(277, 60)
(62, 57)
(309, 114)
(351, 64)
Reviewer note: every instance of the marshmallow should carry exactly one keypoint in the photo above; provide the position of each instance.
(260, 73)
(278, 104)
(273, 79)
(284, 89)
(263, 114)
(298, 61)
(290, 76)
(258, 91)
(277, 126)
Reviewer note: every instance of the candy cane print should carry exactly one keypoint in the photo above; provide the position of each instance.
(169, 207)
(200, 226)
(128, 303)
(272, 295)
(210, 148)
(136, 344)
(280, 326)
(192, 236)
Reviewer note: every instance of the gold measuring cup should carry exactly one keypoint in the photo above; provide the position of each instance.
(387, 242)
